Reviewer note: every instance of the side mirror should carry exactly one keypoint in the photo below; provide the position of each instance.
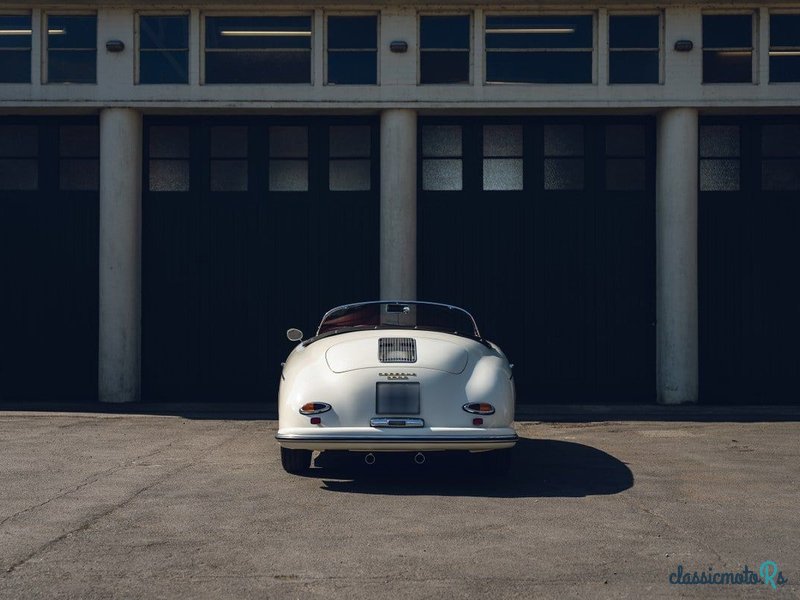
(294, 335)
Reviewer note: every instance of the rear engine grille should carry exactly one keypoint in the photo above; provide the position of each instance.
(397, 350)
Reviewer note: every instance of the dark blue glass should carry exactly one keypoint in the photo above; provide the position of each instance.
(444, 67)
(784, 69)
(16, 66)
(633, 31)
(352, 32)
(784, 30)
(72, 31)
(258, 67)
(727, 31)
(72, 66)
(444, 32)
(352, 68)
(539, 67)
(258, 32)
(721, 67)
(571, 31)
(633, 67)
(164, 32)
(16, 23)
(166, 66)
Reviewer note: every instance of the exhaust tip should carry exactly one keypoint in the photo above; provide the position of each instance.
(370, 459)
(419, 458)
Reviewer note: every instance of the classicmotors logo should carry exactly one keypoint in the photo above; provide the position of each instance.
(768, 573)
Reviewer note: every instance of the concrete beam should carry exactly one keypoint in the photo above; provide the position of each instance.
(676, 258)
(120, 255)
(398, 259)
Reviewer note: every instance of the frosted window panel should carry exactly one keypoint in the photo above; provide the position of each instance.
(780, 140)
(349, 142)
(79, 141)
(229, 142)
(288, 142)
(563, 174)
(228, 176)
(563, 140)
(19, 140)
(780, 175)
(19, 174)
(288, 175)
(441, 140)
(169, 142)
(625, 174)
(441, 174)
(625, 140)
(502, 140)
(502, 174)
(719, 175)
(79, 175)
(169, 176)
(350, 175)
(719, 140)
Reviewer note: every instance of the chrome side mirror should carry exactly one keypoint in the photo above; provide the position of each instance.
(294, 335)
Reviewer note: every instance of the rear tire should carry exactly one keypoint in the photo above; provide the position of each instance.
(295, 462)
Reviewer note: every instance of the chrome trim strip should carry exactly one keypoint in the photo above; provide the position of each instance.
(397, 440)
(396, 422)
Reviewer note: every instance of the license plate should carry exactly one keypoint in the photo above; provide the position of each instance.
(397, 398)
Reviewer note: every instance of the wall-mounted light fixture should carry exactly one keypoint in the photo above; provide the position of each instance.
(115, 45)
(683, 46)
(398, 46)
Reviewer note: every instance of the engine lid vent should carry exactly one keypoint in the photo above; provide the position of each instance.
(397, 350)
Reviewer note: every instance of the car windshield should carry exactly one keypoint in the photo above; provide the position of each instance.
(411, 315)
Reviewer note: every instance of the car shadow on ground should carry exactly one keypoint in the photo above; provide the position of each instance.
(540, 468)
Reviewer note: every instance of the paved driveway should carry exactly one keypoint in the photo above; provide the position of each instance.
(170, 507)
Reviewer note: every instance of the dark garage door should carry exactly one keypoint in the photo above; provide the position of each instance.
(749, 250)
(250, 226)
(48, 259)
(545, 230)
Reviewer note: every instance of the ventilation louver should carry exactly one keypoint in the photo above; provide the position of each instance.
(397, 350)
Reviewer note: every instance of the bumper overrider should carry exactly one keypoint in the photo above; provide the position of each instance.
(370, 439)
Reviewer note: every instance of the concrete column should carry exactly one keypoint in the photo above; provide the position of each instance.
(120, 254)
(398, 204)
(676, 257)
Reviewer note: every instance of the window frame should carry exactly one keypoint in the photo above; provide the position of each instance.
(770, 14)
(137, 36)
(234, 13)
(45, 46)
(21, 13)
(550, 13)
(470, 49)
(754, 45)
(326, 15)
(661, 42)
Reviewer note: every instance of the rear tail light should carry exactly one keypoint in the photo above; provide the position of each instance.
(314, 408)
(479, 408)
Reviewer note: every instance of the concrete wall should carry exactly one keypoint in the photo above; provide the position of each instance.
(682, 81)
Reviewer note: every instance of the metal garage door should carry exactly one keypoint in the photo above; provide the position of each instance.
(545, 230)
(49, 173)
(749, 248)
(250, 226)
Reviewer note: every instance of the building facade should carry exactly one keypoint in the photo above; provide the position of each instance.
(612, 189)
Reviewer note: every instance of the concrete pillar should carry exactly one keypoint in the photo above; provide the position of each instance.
(676, 257)
(120, 254)
(398, 204)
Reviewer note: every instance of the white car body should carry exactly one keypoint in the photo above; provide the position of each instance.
(345, 371)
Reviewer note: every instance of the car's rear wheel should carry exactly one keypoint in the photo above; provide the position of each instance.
(295, 462)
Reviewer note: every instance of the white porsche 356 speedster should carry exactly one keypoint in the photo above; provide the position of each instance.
(395, 377)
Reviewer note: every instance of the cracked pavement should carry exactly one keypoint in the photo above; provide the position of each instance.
(100, 506)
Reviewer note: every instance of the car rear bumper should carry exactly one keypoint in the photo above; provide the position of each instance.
(369, 439)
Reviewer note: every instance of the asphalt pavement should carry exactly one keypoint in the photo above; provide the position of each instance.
(149, 506)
